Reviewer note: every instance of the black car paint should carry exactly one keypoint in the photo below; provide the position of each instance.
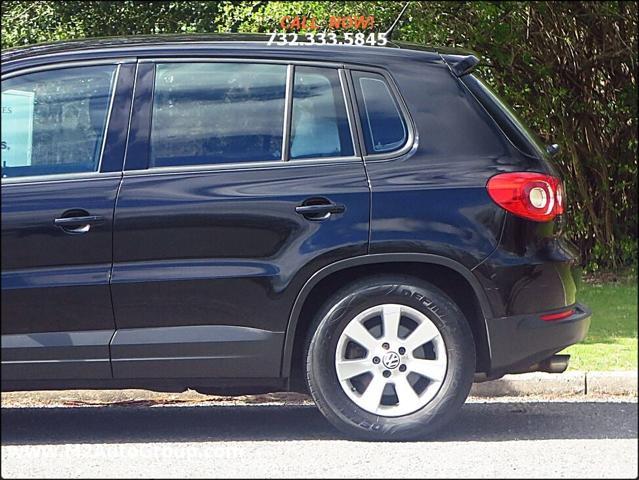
(187, 310)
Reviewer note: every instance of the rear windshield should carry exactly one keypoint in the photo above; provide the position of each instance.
(522, 137)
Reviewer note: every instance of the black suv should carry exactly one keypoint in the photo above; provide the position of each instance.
(368, 224)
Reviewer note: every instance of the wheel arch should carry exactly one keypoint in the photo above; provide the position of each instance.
(388, 261)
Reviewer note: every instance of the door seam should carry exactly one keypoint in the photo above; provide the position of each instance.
(115, 323)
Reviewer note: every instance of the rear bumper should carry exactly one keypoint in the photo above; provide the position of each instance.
(517, 342)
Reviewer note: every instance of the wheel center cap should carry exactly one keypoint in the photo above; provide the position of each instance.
(390, 360)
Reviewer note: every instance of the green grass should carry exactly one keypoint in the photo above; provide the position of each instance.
(611, 343)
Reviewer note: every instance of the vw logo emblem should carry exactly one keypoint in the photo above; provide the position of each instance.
(391, 360)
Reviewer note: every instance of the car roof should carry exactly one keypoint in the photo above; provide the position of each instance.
(229, 44)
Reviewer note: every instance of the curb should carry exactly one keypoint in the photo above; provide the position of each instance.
(528, 384)
(614, 383)
(568, 383)
(138, 397)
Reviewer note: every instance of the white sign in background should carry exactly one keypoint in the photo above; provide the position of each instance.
(17, 128)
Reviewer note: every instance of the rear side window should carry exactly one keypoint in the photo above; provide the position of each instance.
(382, 123)
(54, 122)
(212, 113)
(319, 126)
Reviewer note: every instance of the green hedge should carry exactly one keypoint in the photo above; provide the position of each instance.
(568, 68)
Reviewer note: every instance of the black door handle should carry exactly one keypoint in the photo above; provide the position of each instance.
(319, 211)
(78, 223)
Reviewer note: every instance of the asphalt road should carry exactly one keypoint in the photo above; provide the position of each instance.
(549, 438)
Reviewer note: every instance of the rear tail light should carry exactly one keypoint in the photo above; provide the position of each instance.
(533, 196)
(558, 316)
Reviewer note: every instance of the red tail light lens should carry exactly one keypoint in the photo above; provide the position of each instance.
(558, 316)
(533, 196)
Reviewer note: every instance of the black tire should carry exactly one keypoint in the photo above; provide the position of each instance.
(335, 315)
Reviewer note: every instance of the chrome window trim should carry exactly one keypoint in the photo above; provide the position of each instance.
(60, 177)
(240, 166)
(114, 86)
(411, 139)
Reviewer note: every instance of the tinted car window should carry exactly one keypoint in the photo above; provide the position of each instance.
(382, 123)
(319, 123)
(208, 113)
(54, 122)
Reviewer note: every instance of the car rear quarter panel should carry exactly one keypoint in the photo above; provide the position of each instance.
(434, 200)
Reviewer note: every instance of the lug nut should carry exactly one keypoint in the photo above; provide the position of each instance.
(402, 350)
(375, 360)
(402, 368)
(385, 346)
(387, 373)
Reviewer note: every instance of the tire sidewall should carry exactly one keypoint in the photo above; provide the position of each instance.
(327, 390)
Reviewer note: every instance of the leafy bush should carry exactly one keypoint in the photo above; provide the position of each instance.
(568, 68)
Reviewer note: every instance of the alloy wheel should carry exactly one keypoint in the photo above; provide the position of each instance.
(391, 360)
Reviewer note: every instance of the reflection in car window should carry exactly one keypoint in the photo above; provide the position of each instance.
(211, 113)
(382, 123)
(54, 122)
(319, 122)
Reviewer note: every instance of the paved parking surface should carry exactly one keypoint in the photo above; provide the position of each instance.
(501, 438)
